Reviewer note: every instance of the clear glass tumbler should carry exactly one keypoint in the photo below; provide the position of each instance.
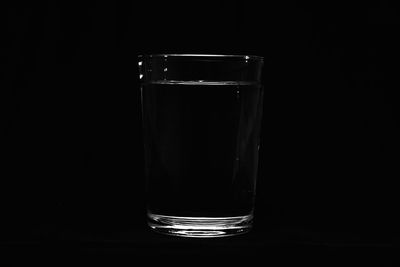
(201, 120)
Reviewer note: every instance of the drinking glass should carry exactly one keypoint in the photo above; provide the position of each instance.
(201, 131)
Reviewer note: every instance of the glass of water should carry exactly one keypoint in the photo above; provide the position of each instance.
(201, 130)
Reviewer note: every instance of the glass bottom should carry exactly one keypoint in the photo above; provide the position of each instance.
(201, 227)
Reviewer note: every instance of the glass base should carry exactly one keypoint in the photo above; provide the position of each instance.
(201, 227)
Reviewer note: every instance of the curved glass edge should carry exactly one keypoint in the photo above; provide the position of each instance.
(221, 56)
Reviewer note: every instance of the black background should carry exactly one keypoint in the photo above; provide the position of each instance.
(72, 155)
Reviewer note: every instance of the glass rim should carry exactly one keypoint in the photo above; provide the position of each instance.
(221, 56)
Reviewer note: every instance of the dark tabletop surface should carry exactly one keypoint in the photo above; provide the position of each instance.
(266, 244)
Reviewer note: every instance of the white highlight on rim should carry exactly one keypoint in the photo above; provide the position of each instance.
(247, 57)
